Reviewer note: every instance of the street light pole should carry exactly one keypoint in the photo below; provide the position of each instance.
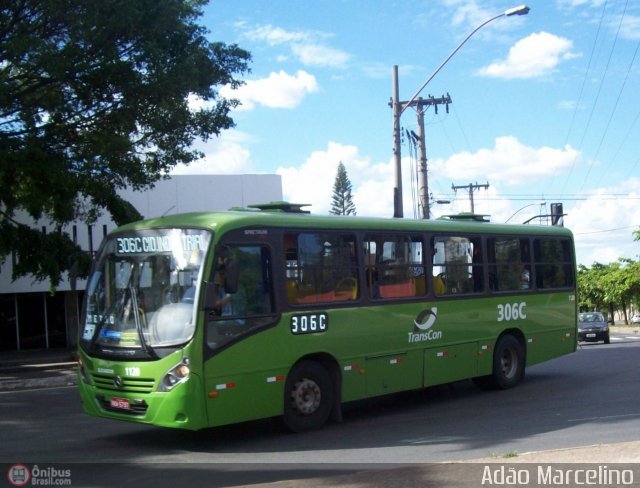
(526, 206)
(399, 108)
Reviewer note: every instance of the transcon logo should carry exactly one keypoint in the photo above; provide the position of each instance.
(423, 322)
(426, 319)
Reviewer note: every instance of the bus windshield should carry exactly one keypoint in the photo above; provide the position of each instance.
(142, 291)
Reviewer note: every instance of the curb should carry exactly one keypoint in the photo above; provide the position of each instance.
(68, 379)
(15, 377)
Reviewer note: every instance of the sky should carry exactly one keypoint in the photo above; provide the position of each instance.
(544, 109)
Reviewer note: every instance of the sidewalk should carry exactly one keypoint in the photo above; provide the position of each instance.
(20, 370)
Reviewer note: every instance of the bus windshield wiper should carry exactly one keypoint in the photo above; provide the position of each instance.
(136, 318)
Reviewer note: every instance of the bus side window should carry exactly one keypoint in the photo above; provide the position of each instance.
(395, 267)
(457, 265)
(509, 264)
(244, 303)
(553, 263)
(321, 267)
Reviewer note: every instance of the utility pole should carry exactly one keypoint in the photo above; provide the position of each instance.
(423, 182)
(398, 108)
(470, 187)
(423, 179)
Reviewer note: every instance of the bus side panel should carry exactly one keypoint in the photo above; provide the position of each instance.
(255, 389)
(449, 363)
(242, 397)
(552, 332)
(549, 345)
(393, 372)
(485, 357)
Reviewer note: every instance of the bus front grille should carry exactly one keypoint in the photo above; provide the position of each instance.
(123, 384)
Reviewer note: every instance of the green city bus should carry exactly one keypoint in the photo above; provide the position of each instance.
(207, 319)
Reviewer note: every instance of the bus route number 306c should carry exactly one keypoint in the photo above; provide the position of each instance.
(309, 323)
(512, 311)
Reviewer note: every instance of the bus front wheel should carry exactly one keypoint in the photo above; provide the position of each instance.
(308, 397)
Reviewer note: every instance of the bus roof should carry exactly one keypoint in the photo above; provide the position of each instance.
(286, 215)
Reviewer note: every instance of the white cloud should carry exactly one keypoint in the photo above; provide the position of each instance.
(509, 162)
(312, 182)
(603, 224)
(534, 56)
(196, 102)
(372, 183)
(306, 46)
(580, 3)
(274, 35)
(468, 12)
(319, 55)
(630, 28)
(278, 90)
(225, 154)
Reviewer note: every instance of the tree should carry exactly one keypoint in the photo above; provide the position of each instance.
(95, 98)
(342, 201)
(611, 287)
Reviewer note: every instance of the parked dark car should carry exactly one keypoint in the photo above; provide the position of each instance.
(593, 327)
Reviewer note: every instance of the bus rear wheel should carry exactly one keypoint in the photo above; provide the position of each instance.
(308, 397)
(508, 365)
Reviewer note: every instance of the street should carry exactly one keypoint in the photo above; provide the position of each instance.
(586, 398)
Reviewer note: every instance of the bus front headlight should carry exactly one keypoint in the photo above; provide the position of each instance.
(176, 375)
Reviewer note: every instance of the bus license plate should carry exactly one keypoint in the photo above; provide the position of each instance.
(120, 403)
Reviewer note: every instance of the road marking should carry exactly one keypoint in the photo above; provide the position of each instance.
(605, 417)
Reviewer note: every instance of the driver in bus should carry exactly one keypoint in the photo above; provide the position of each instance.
(223, 299)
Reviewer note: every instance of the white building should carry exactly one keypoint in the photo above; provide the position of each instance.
(32, 318)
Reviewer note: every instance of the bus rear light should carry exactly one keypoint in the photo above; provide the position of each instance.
(176, 375)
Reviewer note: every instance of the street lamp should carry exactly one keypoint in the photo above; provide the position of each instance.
(399, 108)
(522, 208)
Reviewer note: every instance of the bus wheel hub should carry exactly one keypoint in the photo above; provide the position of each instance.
(306, 396)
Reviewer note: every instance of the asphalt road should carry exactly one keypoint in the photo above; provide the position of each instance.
(589, 397)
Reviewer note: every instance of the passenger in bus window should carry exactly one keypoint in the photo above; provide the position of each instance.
(439, 287)
(525, 278)
(476, 270)
(373, 281)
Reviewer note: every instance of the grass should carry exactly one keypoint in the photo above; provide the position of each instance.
(506, 455)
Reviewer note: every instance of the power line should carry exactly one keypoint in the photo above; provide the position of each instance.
(615, 107)
(565, 197)
(584, 81)
(606, 230)
(622, 88)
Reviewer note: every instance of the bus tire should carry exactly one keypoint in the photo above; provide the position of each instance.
(308, 397)
(508, 362)
(508, 365)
